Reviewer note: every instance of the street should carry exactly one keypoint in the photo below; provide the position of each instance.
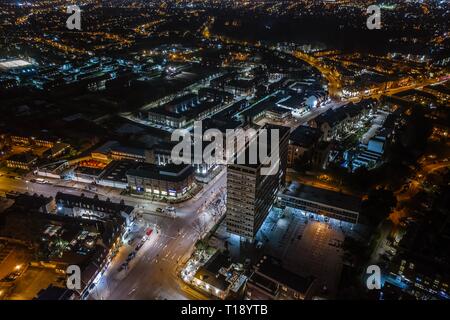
(154, 275)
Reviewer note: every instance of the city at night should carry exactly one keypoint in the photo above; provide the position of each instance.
(237, 156)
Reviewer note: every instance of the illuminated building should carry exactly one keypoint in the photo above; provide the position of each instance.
(250, 194)
(171, 181)
(24, 161)
(324, 202)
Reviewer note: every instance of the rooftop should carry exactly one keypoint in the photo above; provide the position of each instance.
(55, 293)
(27, 201)
(209, 272)
(334, 116)
(294, 101)
(258, 142)
(171, 110)
(169, 172)
(272, 268)
(128, 150)
(324, 196)
(23, 157)
(70, 200)
(117, 170)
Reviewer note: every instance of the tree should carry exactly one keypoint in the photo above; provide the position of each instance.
(199, 226)
(378, 205)
(360, 179)
(416, 132)
(302, 163)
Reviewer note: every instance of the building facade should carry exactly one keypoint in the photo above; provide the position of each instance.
(92, 208)
(251, 194)
(271, 281)
(324, 202)
(171, 181)
(24, 161)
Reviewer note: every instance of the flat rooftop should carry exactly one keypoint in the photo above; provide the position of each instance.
(271, 267)
(324, 196)
(189, 112)
(117, 170)
(23, 157)
(256, 143)
(170, 172)
(71, 201)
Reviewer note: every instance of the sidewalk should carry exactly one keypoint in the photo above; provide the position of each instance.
(156, 199)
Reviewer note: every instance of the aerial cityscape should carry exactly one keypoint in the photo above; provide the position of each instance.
(224, 150)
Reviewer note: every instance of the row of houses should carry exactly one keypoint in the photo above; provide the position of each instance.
(68, 230)
(268, 279)
(334, 123)
(181, 112)
(36, 147)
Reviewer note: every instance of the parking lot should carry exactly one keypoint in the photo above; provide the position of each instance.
(34, 280)
(17, 279)
(12, 257)
(306, 244)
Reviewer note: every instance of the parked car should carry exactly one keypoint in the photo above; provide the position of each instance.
(139, 246)
(132, 240)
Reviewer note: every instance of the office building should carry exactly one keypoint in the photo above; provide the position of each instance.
(271, 281)
(183, 111)
(251, 194)
(24, 161)
(171, 181)
(328, 203)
